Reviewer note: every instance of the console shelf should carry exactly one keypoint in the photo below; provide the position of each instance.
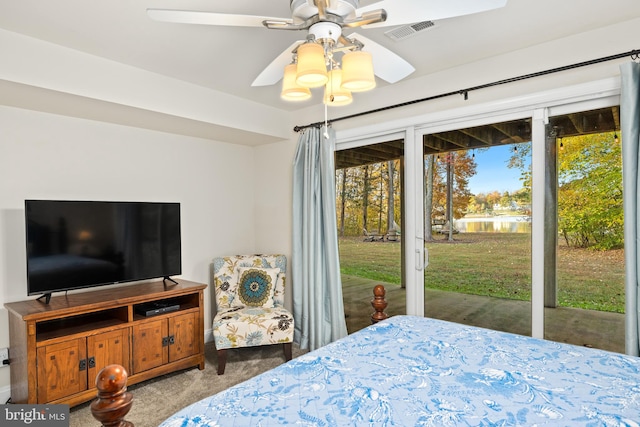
(81, 324)
(57, 349)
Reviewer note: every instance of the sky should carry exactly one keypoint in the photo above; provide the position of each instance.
(492, 173)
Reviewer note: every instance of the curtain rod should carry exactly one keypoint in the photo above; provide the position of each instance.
(634, 54)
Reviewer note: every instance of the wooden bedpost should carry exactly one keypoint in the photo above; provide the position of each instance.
(379, 304)
(114, 401)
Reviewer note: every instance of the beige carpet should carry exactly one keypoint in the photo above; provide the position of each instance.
(156, 399)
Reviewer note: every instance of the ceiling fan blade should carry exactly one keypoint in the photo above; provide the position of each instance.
(386, 64)
(210, 18)
(274, 71)
(401, 12)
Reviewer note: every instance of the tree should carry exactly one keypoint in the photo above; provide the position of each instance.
(493, 199)
(365, 197)
(461, 167)
(464, 167)
(505, 200)
(520, 159)
(478, 203)
(590, 191)
(382, 181)
(390, 194)
(428, 199)
(349, 207)
(343, 196)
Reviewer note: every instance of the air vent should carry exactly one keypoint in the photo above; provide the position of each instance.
(406, 31)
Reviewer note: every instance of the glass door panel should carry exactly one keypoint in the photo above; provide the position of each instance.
(369, 212)
(584, 280)
(478, 226)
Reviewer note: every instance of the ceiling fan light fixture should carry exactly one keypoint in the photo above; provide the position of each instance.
(290, 90)
(334, 94)
(312, 69)
(357, 71)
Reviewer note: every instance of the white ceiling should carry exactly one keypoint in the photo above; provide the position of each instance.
(228, 59)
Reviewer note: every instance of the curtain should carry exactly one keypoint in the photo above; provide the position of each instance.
(629, 124)
(318, 309)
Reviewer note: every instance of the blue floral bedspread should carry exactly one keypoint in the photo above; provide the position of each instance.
(414, 371)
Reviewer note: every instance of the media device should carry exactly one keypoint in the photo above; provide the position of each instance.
(155, 308)
(79, 244)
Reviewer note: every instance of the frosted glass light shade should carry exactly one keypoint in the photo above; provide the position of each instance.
(357, 71)
(312, 70)
(334, 94)
(290, 90)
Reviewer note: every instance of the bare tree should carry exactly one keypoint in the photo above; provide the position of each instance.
(450, 160)
(381, 184)
(390, 196)
(343, 193)
(428, 198)
(365, 197)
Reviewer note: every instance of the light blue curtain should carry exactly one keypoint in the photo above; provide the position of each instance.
(318, 309)
(629, 124)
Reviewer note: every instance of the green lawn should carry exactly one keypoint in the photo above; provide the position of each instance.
(496, 264)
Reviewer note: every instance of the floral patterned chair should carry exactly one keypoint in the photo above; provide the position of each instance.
(250, 304)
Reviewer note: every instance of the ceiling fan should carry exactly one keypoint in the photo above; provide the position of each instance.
(325, 20)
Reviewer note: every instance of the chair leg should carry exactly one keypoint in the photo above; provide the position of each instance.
(287, 350)
(222, 361)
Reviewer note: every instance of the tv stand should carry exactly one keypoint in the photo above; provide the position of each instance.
(47, 298)
(58, 349)
(164, 280)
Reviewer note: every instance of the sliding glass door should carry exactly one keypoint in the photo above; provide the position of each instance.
(503, 254)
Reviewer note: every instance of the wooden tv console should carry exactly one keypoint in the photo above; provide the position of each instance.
(57, 349)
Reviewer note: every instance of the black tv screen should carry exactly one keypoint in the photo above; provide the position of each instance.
(79, 244)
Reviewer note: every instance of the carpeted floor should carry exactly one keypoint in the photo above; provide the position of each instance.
(155, 400)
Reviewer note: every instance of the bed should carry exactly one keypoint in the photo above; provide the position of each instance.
(415, 371)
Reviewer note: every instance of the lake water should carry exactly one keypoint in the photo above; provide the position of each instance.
(495, 224)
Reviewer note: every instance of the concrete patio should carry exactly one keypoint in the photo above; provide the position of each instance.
(589, 328)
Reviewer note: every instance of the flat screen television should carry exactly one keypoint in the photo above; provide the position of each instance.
(80, 244)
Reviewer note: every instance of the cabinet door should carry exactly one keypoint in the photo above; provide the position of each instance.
(60, 372)
(184, 330)
(148, 349)
(106, 349)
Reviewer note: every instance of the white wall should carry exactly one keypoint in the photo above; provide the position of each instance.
(273, 196)
(274, 202)
(49, 156)
(39, 64)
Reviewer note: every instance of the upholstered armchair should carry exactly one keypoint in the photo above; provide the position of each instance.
(250, 304)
